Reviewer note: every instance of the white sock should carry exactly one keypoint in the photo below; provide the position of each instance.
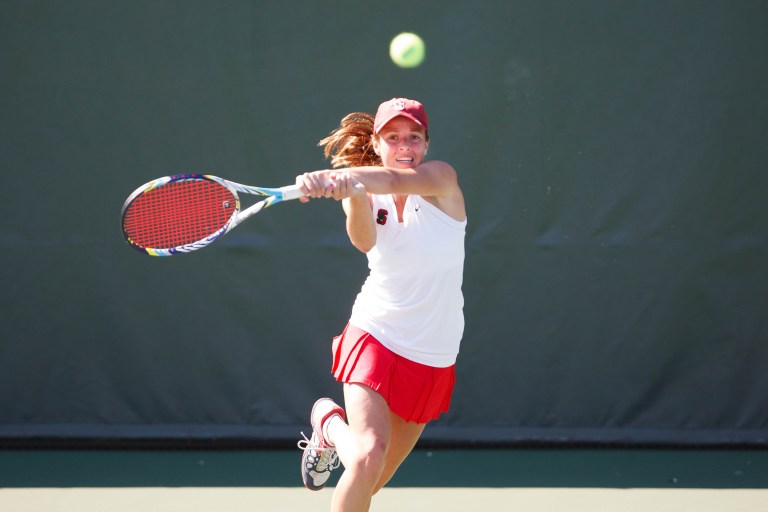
(326, 423)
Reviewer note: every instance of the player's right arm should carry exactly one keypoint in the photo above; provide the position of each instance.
(357, 206)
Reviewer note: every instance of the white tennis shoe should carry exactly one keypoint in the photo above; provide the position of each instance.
(320, 457)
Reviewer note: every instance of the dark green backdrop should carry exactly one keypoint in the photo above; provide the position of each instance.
(613, 155)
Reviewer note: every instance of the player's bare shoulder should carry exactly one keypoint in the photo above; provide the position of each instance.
(449, 197)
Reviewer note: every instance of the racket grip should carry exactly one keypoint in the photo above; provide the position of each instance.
(291, 192)
(294, 191)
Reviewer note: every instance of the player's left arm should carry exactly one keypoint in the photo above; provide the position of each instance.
(434, 180)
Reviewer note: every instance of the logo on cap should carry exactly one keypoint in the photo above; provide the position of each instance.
(399, 105)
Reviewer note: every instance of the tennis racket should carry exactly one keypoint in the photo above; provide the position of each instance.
(186, 212)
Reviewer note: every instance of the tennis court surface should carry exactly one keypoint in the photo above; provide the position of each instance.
(446, 480)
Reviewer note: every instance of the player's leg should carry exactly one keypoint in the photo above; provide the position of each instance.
(362, 444)
(403, 438)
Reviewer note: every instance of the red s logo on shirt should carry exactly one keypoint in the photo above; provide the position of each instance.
(381, 216)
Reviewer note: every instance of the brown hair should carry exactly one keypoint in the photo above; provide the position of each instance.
(351, 144)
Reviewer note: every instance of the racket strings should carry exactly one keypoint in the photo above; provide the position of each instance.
(179, 213)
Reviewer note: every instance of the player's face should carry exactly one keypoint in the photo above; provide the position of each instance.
(401, 143)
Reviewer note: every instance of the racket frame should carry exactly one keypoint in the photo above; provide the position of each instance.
(273, 196)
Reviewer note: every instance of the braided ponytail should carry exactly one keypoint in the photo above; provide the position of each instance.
(351, 144)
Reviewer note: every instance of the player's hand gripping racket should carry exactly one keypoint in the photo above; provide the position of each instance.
(186, 212)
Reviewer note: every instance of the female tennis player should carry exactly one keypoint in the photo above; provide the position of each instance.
(397, 354)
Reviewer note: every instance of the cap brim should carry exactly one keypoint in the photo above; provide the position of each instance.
(377, 129)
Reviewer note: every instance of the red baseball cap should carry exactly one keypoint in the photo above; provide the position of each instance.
(400, 107)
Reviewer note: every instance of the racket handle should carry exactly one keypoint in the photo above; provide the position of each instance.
(294, 191)
(291, 192)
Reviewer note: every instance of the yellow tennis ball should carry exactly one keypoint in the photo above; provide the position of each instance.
(407, 50)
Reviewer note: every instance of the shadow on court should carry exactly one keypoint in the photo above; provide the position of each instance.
(503, 468)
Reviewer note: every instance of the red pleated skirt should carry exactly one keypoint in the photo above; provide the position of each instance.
(414, 391)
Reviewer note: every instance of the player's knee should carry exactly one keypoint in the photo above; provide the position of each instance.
(370, 458)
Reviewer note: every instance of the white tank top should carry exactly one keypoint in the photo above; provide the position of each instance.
(412, 300)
